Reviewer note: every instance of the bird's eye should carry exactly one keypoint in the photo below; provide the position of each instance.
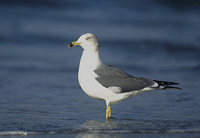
(88, 38)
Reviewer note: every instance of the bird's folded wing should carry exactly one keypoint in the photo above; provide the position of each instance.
(111, 77)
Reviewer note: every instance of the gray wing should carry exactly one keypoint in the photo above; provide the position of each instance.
(110, 76)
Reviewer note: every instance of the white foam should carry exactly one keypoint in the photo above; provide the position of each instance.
(194, 130)
(172, 131)
(8, 133)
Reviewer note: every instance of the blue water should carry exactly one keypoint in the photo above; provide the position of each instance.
(39, 91)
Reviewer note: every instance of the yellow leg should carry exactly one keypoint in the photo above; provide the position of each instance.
(108, 112)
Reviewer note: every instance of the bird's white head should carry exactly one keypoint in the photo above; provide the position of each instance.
(87, 41)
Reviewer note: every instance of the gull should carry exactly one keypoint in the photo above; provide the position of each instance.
(106, 82)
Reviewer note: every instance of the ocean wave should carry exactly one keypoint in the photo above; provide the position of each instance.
(104, 131)
(11, 133)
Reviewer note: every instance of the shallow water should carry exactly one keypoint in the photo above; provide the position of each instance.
(39, 91)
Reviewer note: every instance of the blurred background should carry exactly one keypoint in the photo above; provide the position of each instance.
(39, 90)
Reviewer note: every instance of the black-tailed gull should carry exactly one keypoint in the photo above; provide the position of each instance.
(107, 82)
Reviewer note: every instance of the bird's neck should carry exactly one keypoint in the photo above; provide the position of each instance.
(90, 59)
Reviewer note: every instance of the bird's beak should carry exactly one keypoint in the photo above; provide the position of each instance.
(73, 44)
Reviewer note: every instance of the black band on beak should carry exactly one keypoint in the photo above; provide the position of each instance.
(70, 45)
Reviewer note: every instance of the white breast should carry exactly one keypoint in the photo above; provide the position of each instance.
(89, 62)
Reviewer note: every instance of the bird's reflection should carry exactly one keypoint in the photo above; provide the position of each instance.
(106, 128)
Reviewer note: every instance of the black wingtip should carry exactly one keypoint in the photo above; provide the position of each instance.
(165, 82)
(171, 87)
(166, 85)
